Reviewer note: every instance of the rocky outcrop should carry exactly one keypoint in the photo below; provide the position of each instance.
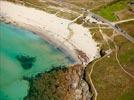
(60, 84)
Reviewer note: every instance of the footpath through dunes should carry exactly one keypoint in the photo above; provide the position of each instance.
(54, 28)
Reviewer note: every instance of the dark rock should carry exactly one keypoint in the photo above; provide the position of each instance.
(26, 61)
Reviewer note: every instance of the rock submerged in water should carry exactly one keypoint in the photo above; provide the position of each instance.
(26, 61)
(62, 84)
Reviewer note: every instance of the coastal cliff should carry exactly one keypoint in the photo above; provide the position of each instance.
(60, 84)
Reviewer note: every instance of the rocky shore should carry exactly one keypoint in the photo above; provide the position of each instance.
(60, 84)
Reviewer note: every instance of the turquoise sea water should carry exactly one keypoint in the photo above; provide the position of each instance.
(15, 42)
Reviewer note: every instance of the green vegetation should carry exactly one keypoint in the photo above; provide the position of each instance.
(46, 86)
(127, 96)
(111, 82)
(55, 84)
(97, 36)
(127, 56)
(108, 11)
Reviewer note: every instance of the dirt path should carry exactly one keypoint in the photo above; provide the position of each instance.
(71, 33)
(106, 38)
(90, 75)
(117, 59)
(123, 21)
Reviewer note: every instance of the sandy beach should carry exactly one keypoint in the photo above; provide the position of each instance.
(53, 29)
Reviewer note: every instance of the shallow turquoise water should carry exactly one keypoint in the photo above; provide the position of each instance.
(15, 41)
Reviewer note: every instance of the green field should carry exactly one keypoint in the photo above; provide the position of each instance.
(111, 82)
(108, 11)
(127, 96)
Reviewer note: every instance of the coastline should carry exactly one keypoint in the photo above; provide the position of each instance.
(81, 46)
(54, 30)
(46, 21)
(68, 82)
(73, 75)
(50, 39)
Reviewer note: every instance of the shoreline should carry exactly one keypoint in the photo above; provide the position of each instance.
(81, 47)
(50, 39)
(53, 29)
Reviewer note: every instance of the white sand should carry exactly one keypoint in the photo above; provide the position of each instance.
(54, 26)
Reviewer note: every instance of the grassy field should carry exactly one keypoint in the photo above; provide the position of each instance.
(88, 4)
(108, 11)
(127, 96)
(125, 14)
(110, 80)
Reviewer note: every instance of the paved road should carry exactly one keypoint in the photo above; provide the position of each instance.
(112, 25)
